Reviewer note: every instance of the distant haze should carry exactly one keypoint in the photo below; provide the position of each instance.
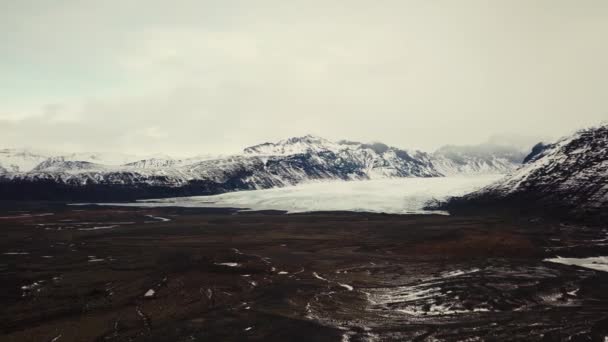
(195, 77)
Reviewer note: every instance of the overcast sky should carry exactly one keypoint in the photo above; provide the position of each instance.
(190, 77)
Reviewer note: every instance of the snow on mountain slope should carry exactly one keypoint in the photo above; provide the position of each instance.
(104, 158)
(152, 163)
(60, 164)
(295, 145)
(167, 162)
(374, 160)
(493, 165)
(570, 175)
(21, 160)
(25, 160)
(479, 159)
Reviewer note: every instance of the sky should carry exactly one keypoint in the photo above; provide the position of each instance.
(195, 77)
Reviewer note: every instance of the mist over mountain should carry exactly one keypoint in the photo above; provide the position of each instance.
(483, 158)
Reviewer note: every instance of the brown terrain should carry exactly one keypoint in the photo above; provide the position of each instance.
(86, 273)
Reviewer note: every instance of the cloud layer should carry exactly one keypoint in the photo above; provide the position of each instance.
(214, 76)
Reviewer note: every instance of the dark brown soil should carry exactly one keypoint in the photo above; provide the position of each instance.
(73, 273)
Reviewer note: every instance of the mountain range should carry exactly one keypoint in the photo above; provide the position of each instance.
(26, 174)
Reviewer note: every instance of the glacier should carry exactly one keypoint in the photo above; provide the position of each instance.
(391, 196)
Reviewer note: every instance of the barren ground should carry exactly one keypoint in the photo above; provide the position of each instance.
(168, 274)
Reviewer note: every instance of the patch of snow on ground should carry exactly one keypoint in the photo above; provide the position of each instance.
(437, 310)
(394, 195)
(98, 228)
(26, 216)
(316, 275)
(346, 286)
(229, 264)
(457, 273)
(31, 288)
(162, 219)
(594, 263)
(93, 258)
(573, 292)
(149, 293)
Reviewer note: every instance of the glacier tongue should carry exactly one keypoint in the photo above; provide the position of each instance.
(395, 196)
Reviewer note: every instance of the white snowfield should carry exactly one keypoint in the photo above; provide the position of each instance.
(394, 196)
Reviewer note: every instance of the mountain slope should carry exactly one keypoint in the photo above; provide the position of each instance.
(567, 177)
(375, 160)
(295, 145)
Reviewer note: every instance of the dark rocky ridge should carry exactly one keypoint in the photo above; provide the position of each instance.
(536, 150)
(566, 179)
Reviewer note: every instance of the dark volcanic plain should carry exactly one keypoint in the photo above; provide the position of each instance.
(72, 273)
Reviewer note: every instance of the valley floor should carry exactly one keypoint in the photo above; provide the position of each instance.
(193, 274)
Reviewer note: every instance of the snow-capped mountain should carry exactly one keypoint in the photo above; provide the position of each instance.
(287, 162)
(168, 162)
(479, 159)
(570, 175)
(104, 158)
(295, 145)
(153, 163)
(62, 164)
(20, 160)
(372, 160)
(25, 160)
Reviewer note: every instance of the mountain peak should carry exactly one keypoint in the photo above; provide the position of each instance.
(294, 145)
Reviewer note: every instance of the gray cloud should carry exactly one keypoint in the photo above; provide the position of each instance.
(214, 76)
